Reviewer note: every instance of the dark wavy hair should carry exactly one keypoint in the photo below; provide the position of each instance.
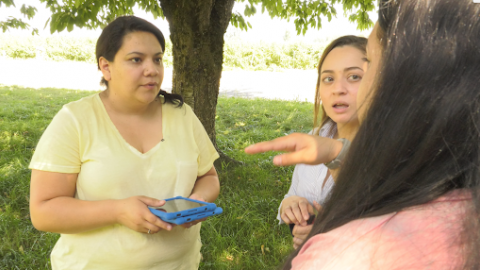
(111, 40)
(359, 43)
(421, 135)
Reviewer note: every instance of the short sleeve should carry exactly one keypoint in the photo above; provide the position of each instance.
(207, 152)
(58, 148)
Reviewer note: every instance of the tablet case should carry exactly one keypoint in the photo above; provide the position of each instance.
(185, 219)
(172, 215)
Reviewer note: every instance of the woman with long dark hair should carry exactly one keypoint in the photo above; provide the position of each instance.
(407, 195)
(107, 157)
(340, 71)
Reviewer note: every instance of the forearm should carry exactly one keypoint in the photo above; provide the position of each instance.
(207, 187)
(70, 215)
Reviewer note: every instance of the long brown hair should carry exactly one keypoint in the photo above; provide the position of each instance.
(359, 43)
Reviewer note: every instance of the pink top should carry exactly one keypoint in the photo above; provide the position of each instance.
(421, 237)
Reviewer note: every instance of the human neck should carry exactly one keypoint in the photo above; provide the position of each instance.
(347, 130)
(122, 106)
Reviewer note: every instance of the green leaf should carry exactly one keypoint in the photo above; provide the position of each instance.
(279, 7)
(78, 3)
(7, 3)
(46, 23)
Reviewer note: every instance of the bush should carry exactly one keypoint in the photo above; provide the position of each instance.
(238, 54)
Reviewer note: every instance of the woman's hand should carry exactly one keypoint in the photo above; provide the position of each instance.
(195, 222)
(296, 210)
(304, 148)
(300, 233)
(133, 213)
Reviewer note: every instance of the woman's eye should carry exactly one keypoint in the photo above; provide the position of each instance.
(136, 60)
(327, 79)
(158, 60)
(354, 78)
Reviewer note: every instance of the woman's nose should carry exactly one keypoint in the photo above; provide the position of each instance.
(340, 87)
(151, 68)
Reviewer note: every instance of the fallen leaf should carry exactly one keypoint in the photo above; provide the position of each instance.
(263, 249)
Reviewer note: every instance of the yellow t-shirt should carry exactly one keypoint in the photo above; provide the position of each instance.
(82, 139)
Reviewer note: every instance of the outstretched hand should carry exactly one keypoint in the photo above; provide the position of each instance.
(303, 148)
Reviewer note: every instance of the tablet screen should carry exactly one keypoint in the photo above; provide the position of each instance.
(178, 205)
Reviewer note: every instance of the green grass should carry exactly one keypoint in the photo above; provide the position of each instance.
(245, 236)
(237, 54)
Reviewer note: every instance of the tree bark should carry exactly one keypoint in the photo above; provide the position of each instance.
(197, 29)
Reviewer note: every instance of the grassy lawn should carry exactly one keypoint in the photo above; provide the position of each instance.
(245, 236)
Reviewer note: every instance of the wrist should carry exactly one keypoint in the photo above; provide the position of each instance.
(116, 206)
(198, 197)
(337, 147)
(338, 153)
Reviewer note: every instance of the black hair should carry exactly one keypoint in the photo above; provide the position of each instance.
(111, 40)
(359, 43)
(420, 138)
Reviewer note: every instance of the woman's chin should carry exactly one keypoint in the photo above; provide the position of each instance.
(147, 98)
(343, 119)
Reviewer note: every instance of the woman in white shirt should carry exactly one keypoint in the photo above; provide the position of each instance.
(340, 71)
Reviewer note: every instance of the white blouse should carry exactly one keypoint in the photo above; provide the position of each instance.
(307, 180)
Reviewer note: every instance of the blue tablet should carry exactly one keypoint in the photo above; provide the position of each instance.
(185, 219)
(180, 206)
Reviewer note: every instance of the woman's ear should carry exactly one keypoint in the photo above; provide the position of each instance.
(104, 66)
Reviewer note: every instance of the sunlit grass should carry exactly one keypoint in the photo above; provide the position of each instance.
(245, 236)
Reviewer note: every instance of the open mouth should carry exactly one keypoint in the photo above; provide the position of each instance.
(340, 106)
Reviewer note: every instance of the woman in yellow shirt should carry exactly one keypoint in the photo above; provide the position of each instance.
(107, 157)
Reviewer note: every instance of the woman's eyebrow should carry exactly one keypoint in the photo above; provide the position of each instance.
(346, 69)
(140, 53)
(352, 68)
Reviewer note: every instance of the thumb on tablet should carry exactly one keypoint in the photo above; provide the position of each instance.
(151, 201)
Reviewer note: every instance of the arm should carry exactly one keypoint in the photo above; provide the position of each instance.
(303, 148)
(207, 187)
(53, 208)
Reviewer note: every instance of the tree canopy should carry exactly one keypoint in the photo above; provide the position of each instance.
(93, 14)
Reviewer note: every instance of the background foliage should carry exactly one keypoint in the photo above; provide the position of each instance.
(237, 54)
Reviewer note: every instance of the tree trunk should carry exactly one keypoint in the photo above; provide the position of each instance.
(197, 29)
